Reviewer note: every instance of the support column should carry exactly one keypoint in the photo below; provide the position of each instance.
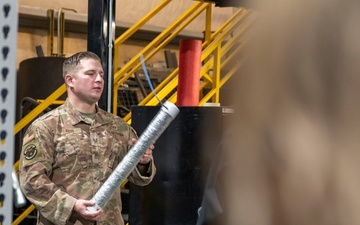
(101, 39)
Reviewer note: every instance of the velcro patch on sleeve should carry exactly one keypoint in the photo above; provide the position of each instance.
(30, 150)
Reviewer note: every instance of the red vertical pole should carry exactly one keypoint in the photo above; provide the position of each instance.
(189, 72)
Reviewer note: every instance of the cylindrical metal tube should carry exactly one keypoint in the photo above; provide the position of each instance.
(189, 73)
(157, 126)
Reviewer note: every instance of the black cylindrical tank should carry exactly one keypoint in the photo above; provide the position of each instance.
(182, 155)
(37, 78)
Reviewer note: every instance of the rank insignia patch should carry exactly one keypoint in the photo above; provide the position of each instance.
(30, 152)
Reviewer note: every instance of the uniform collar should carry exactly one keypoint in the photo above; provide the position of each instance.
(100, 118)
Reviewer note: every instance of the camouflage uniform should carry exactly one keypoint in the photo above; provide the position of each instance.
(67, 156)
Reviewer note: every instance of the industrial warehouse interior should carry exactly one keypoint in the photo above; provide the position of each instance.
(247, 107)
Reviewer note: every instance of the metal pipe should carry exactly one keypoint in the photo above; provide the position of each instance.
(110, 49)
(50, 49)
(157, 126)
(189, 72)
(61, 30)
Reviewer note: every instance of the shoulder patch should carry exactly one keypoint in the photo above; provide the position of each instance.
(30, 151)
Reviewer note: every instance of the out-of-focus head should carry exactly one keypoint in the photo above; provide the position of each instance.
(293, 153)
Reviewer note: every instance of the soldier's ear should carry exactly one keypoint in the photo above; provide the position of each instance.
(69, 80)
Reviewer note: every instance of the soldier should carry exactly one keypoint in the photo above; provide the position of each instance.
(69, 153)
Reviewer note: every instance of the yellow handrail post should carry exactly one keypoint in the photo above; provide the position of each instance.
(207, 34)
(216, 76)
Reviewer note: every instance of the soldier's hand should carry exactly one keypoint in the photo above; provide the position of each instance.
(81, 209)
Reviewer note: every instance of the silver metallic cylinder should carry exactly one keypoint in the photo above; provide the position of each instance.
(157, 126)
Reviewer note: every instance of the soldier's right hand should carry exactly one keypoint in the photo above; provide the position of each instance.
(81, 208)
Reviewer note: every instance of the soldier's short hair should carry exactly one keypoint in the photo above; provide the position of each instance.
(71, 64)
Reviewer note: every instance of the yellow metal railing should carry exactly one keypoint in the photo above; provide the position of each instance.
(212, 58)
(155, 46)
(232, 34)
(127, 34)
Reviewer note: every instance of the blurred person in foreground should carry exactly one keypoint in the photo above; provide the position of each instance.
(292, 156)
(70, 152)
